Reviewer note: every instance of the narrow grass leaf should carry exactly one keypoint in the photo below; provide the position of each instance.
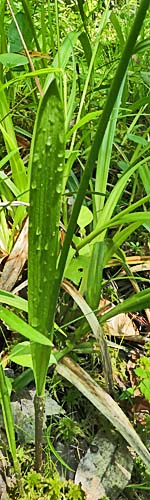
(17, 166)
(13, 300)
(135, 303)
(18, 325)
(65, 53)
(104, 156)
(8, 417)
(97, 331)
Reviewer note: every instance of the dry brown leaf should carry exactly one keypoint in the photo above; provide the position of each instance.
(15, 261)
(120, 325)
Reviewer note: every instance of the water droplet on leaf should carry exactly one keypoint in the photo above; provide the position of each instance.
(33, 184)
(49, 141)
(58, 189)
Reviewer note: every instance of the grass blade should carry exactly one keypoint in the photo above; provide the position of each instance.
(8, 418)
(135, 303)
(17, 324)
(104, 403)
(97, 331)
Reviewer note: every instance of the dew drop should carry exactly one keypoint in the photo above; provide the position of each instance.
(36, 157)
(58, 189)
(38, 231)
(45, 279)
(60, 167)
(61, 137)
(35, 322)
(33, 185)
(49, 141)
(52, 119)
(46, 246)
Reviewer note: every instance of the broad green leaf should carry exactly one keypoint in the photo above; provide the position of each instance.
(13, 35)
(145, 388)
(47, 163)
(10, 60)
(21, 355)
(47, 160)
(17, 324)
(85, 217)
(137, 139)
(74, 269)
(146, 77)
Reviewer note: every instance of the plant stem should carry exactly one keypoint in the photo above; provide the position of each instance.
(39, 406)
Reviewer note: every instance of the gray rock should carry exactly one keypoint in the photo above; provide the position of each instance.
(106, 468)
(23, 414)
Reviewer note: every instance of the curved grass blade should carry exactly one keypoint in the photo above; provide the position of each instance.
(104, 403)
(17, 324)
(97, 331)
(56, 454)
(136, 303)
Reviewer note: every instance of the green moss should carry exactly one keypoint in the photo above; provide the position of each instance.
(52, 488)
